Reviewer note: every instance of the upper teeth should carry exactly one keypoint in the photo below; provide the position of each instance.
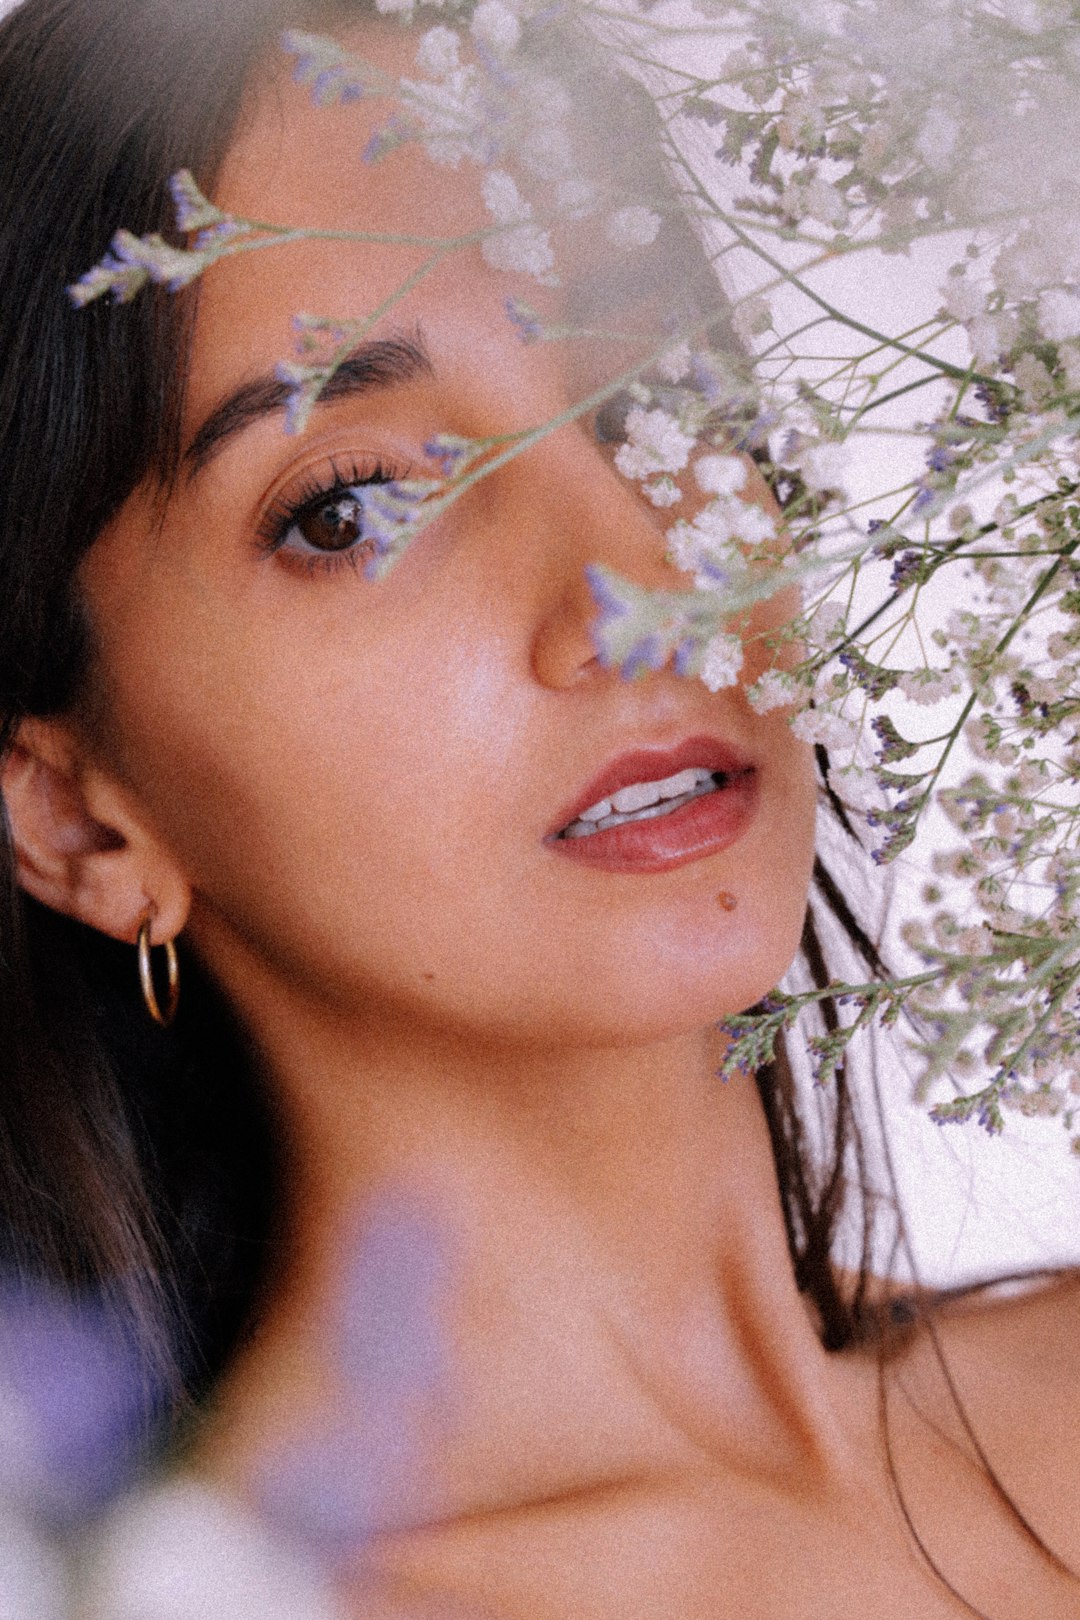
(641, 794)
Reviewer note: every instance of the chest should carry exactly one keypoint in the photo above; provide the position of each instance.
(707, 1550)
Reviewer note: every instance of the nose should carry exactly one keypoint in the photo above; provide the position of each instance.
(596, 516)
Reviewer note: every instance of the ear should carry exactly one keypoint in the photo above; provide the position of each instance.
(81, 846)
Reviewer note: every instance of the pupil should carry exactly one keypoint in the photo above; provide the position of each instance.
(335, 525)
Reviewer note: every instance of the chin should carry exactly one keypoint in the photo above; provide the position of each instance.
(641, 1000)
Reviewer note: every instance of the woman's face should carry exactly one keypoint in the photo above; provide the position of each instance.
(360, 779)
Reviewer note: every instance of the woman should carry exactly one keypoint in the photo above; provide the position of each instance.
(363, 807)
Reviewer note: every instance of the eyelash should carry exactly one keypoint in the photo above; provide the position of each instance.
(316, 491)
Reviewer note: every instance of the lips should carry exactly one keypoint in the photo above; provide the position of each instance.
(703, 827)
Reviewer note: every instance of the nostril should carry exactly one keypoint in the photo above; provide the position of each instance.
(609, 423)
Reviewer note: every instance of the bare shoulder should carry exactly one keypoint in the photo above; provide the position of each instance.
(1029, 1331)
(1000, 1375)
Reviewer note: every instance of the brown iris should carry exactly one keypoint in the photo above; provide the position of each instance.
(333, 525)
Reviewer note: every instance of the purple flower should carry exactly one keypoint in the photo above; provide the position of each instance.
(907, 566)
(387, 137)
(529, 326)
(80, 1397)
(648, 653)
(684, 654)
(603, 595)
(332, 1491)
(193, 211)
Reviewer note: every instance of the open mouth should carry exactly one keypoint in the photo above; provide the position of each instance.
(648, 801)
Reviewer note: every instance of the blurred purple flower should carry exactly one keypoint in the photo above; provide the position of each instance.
(77, 1401)
(333, 1491)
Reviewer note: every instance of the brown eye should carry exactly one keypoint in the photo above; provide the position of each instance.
(333, 525)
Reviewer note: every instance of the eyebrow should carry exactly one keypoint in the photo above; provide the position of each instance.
(372, 366)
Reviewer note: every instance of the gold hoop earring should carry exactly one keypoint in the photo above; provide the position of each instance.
(146, 977)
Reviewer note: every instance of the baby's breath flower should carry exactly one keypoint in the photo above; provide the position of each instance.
(526, 247)
(1033, 378)
(856, 787)
(750, 318)
(438, 52)
(928, 686)
(722, 661)
(774, 690)
(720, 475)
(823, 465)
(831, 730)
(675, 364)
(502, 198)
(962, 299)
(496, 26)
(655, 443)
(663, 491)
(632, 227)
(1059, 314)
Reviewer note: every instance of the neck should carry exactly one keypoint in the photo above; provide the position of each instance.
(610, 1248)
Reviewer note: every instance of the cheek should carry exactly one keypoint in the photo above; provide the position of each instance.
(319, 784)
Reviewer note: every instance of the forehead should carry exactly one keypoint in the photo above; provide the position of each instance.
(313, 156)
(297, 164)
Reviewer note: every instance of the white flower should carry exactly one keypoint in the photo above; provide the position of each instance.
(687, 547)
(826, 624)
(181, 1552)
(720, 475)
(1059, 315)
(984, 335)
(824, 203)
(663, 492)
(750, 318)
(728, 518)
(453, 115)
(856, 787)
(802, 121)
(655, 443)
(722, 661)
(632, 227)
(496, 26)
(504, 202)
(437, 52)
(1034, 381)
(830, 730)
(527, 249)
(793, 200)
(32, 1583)
(673, 366)
(963, 299)
(823, 464)
(1024, 267)
(774, 690)
(548, 152)
(746, 521)
(391, 7)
